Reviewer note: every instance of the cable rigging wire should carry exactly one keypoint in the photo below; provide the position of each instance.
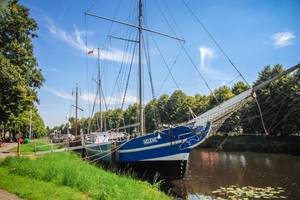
(147, 57)
(86, 46)
(119, 75)
(187, 54)
(93, 5)
(171, 68)
(127, 81)
(173, 19)
(214, 40)
(227, 57)
(146, 46)
(165, 62)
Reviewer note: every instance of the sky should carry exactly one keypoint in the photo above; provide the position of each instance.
(252, 33)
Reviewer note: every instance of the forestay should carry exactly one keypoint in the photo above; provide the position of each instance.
(225, 109)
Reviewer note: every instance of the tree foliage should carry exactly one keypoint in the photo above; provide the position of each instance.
(280, 103)
(22, 122)
(19, 76)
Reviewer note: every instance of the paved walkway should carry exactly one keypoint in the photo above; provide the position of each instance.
(8, 196)
(4, 150)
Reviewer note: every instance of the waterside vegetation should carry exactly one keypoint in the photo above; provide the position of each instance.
(41, 144)
(69, 173)
(254, 143)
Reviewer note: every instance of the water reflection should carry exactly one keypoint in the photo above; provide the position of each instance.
(208, 170)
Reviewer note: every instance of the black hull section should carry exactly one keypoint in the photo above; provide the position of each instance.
(162, 169)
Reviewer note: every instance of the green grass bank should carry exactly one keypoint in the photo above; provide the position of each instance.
(253, 143)
(65, 175)
(35, 145)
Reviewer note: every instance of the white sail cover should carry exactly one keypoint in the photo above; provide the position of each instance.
(234, 103)
(222, 109)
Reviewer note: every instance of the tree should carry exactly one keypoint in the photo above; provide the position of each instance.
(151, 115)
(162, 109)
(117, 118)
(177, 107)
(233, 123)
(221, 94)
(239, 87)
(22, 123)
(201, 104)
(19, 76)
(131, 115)
(279, 101)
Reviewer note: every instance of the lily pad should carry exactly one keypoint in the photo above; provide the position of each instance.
(249, 192)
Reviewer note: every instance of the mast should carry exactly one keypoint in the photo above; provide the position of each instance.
(99, 91)
(139, 41)
(141, 72)
(76, 109)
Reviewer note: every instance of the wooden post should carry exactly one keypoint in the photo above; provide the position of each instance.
(19, 148)
(82, 145)
(35, 148)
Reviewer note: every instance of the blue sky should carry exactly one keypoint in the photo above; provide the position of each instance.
(253, 33)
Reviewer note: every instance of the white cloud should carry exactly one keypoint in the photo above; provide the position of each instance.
(206, 55)
(52, 69)
(59, 93)
(76, 41)
(282, 39)
(90, 97)
(128, 100)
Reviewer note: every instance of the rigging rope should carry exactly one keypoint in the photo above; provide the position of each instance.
(86, 46)
(104, 99)
(260, 113)
(165, 62)
(202, 77)
(93, 5)
(171, 74)
(147, 57)
(146, 46)
(87, 69)
(226, 56)
(214, 40)
(188, 56)
(171, 68)
(128, 77)
(173, 19)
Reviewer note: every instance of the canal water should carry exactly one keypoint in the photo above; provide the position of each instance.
(208, 171)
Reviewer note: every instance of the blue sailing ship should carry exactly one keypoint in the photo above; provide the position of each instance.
(164, 151)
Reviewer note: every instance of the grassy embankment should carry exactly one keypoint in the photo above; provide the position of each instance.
(253, 143)
(35, 145)
(66, 176)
